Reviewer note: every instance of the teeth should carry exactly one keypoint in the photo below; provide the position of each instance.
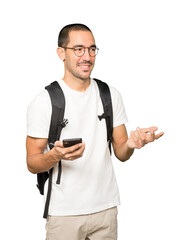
(84, 66)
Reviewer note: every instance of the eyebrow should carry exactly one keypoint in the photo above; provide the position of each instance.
(83, 46)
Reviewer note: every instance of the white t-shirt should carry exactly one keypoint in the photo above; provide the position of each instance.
(88, 184)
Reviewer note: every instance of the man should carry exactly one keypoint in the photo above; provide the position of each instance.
(84, 205)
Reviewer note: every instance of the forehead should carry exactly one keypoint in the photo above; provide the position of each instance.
(84, 38)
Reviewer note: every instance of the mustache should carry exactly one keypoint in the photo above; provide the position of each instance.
(84, 62)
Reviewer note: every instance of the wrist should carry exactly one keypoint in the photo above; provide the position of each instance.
(52, 156)
(129, 147)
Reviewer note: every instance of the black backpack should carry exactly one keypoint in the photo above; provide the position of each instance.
(58, 123)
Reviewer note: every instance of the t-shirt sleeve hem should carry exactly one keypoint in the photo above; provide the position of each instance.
(36, 135)
(118, 123)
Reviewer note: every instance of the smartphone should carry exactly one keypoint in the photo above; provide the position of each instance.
(71, 141)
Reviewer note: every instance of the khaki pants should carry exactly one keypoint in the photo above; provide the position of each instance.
(96, 226)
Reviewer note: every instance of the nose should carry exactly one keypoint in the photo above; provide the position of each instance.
(86, 55)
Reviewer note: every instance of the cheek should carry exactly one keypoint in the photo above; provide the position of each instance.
(69, 62)
(93, 60)
(72, 61)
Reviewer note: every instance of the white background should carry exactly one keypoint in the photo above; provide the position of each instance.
(141, 54)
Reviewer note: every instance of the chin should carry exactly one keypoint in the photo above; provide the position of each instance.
(85, 76)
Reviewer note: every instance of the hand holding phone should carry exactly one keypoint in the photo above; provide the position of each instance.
(66, 150)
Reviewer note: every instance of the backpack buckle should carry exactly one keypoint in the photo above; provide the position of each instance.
(63, 123)
(102, 116)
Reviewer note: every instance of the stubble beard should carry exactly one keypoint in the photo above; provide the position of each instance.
(78, 75)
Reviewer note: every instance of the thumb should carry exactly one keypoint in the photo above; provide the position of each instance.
(159, 135)
(58, 144)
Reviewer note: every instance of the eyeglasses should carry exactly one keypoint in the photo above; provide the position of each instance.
(79, 51)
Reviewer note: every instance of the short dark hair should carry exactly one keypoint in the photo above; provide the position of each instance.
(63, 38)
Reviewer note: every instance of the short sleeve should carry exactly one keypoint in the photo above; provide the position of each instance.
(119, 114)
(39, 116)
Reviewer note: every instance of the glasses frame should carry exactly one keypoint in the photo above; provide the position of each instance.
(84, 50)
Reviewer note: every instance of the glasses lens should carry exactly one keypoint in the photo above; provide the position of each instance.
(93, 51)
(79, 51)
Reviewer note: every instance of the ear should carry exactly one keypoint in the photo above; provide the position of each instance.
(61, 53)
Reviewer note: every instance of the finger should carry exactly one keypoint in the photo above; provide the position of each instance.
(76, 154)
(133, 135)
(72, 158)
(141, 134)
(137, 140)
(74, 147)
(146, 130)
(80, 150)
(151, 136)
(159, 135)
(141, 138)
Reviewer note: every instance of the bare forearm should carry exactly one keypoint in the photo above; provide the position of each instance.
(38, 161)
(41, 162)
(123, 152)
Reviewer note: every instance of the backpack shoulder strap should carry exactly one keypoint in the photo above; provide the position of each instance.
(57, 123)
(107, 106)
(58, 109)
(57, 118)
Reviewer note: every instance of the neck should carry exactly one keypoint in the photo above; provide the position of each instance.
(77, 84)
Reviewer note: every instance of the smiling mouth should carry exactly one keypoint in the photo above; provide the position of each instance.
(85, 67)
